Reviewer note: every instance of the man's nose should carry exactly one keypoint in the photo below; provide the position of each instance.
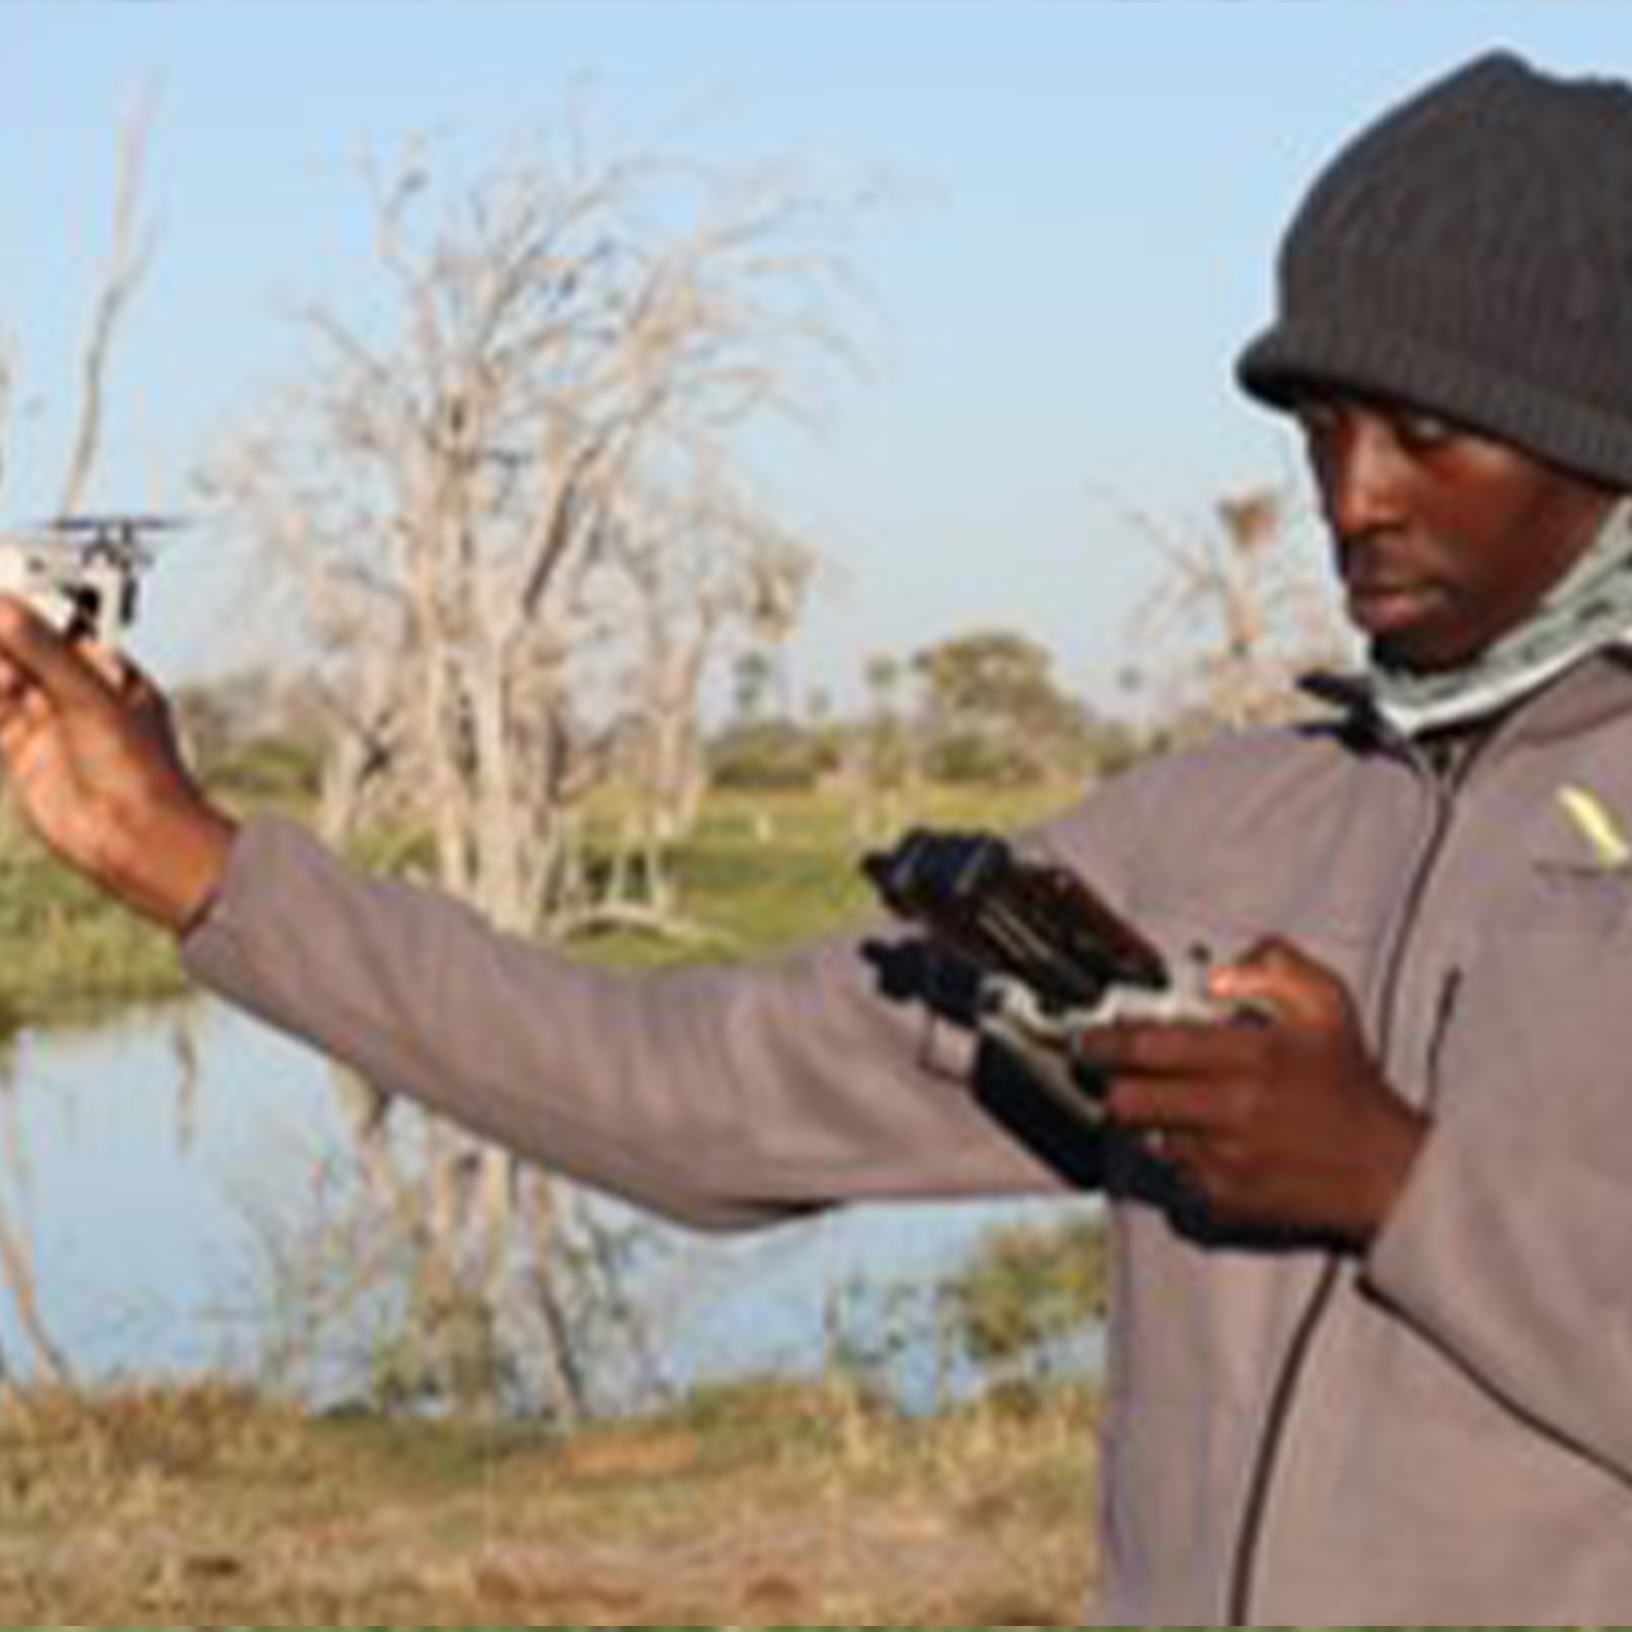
(1357, 468)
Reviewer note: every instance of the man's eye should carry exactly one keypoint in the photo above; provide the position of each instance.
(1423, 433)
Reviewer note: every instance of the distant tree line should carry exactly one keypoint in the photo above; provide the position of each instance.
(980, 708)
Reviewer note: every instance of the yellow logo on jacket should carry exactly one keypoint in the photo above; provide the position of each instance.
(1609, 846)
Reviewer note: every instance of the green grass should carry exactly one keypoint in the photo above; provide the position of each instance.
(765, 872)
(762, 873)
(67, 954)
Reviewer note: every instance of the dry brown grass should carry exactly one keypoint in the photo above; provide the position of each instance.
(768, 1504)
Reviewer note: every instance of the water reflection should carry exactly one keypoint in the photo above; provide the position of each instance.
(139, 1160)
(130, 1152)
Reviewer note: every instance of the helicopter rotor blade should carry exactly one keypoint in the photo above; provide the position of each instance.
(114, 524)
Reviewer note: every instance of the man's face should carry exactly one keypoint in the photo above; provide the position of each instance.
(1444, 540)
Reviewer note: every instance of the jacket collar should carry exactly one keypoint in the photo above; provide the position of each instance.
(1587, 695)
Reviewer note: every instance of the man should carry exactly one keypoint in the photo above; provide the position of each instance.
(1371, 1337)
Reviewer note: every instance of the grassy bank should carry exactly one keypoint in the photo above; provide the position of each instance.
(757, 1504)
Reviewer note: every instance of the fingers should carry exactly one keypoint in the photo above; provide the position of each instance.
(1169, 1050)
(1199, 1136)
(1179, 1086)
(1183, 1154)
(118, 673)
(1280, 978)
(14, 684)
(1168, 1108)
(34, 654)
(24, 712)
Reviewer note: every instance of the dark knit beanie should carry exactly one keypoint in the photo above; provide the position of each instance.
(1471, 254)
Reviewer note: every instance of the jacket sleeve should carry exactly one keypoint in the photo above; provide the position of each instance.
(721, 1097)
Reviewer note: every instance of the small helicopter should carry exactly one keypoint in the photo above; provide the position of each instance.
(81, 573)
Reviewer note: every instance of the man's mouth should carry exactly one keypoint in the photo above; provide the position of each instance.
(1379, 606)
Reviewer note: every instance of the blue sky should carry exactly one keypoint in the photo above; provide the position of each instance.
(1089, 200)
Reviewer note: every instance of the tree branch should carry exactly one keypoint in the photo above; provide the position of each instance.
(127, 265)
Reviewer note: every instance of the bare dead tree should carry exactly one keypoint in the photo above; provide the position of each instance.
(118, 284)
(703, 570)
(1241, 609)
(122, 276)
(17, 1265)
(477, 488)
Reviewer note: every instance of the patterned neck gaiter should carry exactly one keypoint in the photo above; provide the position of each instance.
(1588, 609)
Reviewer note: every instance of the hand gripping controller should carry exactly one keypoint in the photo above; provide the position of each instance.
(1052, 958)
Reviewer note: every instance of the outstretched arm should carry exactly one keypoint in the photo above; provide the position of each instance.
(721, 1097)
(91, 755)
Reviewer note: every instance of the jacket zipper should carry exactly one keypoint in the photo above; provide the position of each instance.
(1450, 991)
(1255, 1513)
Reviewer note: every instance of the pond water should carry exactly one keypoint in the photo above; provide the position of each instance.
(140, 1160)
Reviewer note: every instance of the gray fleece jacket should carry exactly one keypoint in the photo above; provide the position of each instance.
(1439, 1432)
